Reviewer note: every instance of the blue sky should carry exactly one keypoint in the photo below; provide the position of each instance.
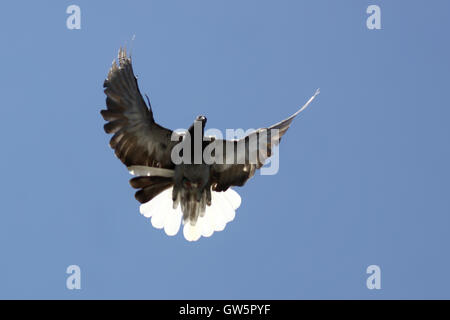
(363, 174)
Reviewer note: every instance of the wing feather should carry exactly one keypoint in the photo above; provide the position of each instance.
(137, 138)
(257, 148)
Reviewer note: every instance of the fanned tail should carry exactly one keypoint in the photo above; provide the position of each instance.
(215, 217)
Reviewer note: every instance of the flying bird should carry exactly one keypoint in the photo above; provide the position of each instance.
(194, 191)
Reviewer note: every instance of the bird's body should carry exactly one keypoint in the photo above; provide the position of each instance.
(192, 189)
(196, 189)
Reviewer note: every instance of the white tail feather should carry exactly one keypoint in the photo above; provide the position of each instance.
(192, 233)
(217, 215)
(173, 222)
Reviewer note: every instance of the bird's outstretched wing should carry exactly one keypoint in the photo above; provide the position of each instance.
(249, 153)
(138, 140)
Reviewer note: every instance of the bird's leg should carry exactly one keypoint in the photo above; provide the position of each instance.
(175, 197)
(208, 194)
(177, 181)
(203, 186)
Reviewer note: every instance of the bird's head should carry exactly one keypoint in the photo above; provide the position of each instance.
(202, 119)
(200, 123)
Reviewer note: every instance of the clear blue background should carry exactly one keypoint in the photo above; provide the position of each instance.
(364, 176)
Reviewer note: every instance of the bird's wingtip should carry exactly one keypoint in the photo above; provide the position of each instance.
(307, 103)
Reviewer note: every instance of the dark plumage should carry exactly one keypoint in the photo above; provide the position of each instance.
(145, 148)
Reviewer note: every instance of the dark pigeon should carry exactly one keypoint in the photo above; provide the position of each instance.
(194, 186)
